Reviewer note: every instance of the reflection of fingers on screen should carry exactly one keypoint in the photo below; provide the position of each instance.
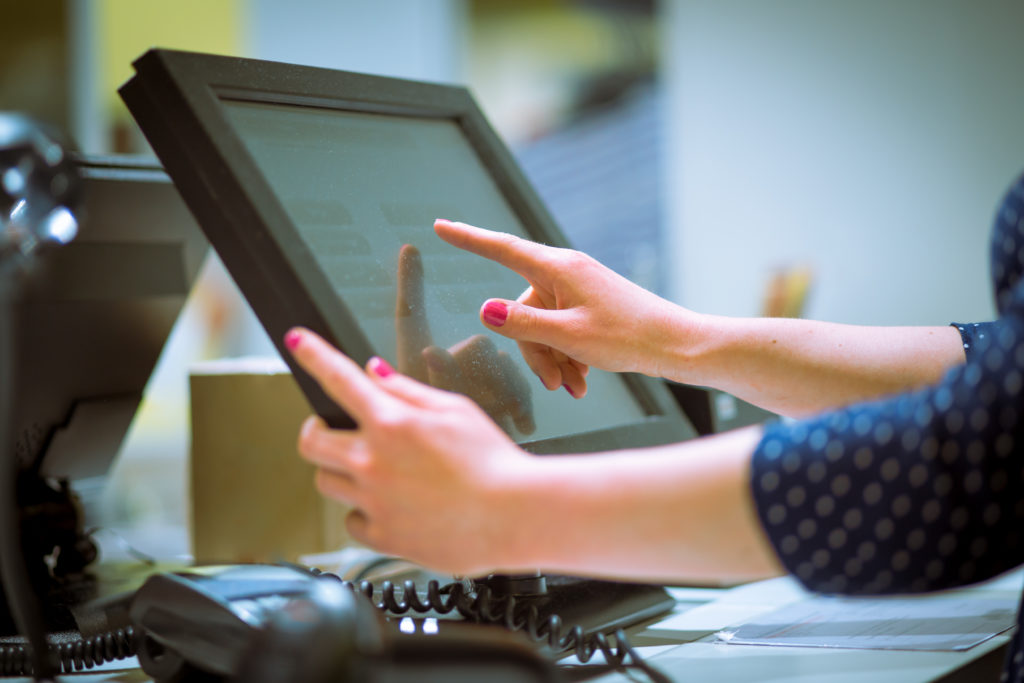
(479, 351)
(525, 423)
(514, 381)
(409, 300)
(515, 397)
(442, 369)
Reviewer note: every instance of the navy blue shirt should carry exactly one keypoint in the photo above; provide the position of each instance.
(920, 491)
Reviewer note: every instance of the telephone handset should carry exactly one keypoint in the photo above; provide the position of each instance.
(259, 623)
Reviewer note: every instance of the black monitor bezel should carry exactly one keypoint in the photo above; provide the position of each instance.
(176, 98)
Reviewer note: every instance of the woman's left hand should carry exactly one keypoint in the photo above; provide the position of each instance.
(431, 477)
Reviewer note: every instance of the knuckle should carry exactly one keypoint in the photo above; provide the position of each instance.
(571, 259)
(393, 421)
(524, 319)
(575, 326)
(507, 239)
(361, 463)
(333, 376)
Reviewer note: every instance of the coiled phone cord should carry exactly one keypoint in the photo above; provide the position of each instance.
(482, 606)
(70, 651)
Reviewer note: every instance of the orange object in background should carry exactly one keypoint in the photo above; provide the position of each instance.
(787, 292)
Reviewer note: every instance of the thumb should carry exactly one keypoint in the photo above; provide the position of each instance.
(526, 323)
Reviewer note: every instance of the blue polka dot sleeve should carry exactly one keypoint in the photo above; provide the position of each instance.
(919, 491)
(973, 334)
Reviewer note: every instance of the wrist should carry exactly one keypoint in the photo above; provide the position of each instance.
(683, 343)
(531, 508)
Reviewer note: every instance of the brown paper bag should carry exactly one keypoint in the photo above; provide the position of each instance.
(253, 499)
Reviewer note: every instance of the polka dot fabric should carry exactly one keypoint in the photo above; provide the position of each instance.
(920, 491)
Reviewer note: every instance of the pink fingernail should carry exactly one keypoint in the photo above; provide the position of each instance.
(569, 389)
(495, 313)
(292, 339)
(380, 367)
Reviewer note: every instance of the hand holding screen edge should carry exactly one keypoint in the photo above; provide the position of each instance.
(426, 470)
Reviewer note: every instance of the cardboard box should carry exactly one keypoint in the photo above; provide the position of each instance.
(253, 499)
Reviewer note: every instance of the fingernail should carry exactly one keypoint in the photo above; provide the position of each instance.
(569, 389)
(495, 313)
(380, 367)
(292, 339)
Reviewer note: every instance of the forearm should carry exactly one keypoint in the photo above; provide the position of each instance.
(677, 513)
(799, 367)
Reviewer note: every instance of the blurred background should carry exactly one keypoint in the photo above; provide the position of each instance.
(837, 160)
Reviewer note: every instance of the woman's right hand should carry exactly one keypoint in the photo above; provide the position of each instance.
(575, 313)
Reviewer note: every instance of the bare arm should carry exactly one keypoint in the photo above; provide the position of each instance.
(800, 367)
(577, 313)
(677, 513)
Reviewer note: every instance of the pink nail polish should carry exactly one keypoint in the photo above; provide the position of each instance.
(380, 367)
(569, 389)
(292, 339)
(495, 313)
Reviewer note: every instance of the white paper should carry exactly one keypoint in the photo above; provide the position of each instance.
(924, 623)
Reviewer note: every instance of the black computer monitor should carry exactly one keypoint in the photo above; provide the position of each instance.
(310, 182)
(89, 322)
(92, 319)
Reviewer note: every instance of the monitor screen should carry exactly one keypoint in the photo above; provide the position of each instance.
(358, 187)
(319, 189)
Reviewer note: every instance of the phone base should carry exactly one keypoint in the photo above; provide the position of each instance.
(593, 605)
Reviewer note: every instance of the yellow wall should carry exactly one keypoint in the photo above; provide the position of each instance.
(127, 28)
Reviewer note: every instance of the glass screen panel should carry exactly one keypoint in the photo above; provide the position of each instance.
(363, 191)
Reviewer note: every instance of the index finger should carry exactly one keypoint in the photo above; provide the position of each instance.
(337, 374)
(529, 259)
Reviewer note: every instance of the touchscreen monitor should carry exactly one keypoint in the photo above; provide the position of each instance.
(319, 189)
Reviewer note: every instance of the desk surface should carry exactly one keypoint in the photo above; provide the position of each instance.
(685, 648)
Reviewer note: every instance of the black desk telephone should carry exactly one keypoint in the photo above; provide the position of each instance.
(266, 623)
(263, 623)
